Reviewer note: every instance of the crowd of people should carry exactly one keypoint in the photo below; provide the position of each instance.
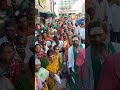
(60, 49)
(17, 60)
(98, 68)
(39, 56)
(68, 53)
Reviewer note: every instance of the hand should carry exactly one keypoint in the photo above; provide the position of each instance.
(58, 73)
(46, 81)
(52, 75)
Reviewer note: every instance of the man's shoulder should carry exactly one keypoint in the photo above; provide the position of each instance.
(116, 46)
(70, 48)
(83, 45)
(3, 39)
(112, 7)
(88, 48)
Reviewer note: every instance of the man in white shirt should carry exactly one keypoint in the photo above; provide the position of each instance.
(39, 40)
(114, 21)
(72, 55)
(44, 46)
(77, 28)
(10, 31)
(59, 43)
(101, 9)
(23, 49)
(82, 32)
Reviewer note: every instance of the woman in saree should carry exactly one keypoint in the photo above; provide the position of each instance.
(47, 60)
(39, 52)
(41, 76)
(45, 63)
(10, 63)
(54, 65)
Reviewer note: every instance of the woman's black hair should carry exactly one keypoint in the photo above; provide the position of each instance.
(50, 51)
(5, 44)
(55, 47)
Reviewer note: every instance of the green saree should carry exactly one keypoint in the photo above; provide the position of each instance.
(44, 63)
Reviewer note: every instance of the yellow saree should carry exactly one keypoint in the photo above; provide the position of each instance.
(54, 67)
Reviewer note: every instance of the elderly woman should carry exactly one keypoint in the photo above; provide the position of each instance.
(54, 67)
(10, 63)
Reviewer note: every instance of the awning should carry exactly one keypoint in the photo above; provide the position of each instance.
(45, 15)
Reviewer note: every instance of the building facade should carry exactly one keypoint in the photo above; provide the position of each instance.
(66, 4)
(71, 6)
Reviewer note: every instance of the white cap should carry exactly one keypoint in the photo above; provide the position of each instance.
(37, 61)
(48, 43)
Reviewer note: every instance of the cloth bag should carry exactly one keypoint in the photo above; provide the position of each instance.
(61, 85)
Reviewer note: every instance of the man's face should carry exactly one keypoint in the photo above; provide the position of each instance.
(37, 67)
(11, 32)
(88, 4)
(44, 35)
(44, 44)
(21, 45)
(97, 36)
(32, 6)
(23, 22)
(76, 42)
(64, 36)
(32, 15)
(39, 39)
